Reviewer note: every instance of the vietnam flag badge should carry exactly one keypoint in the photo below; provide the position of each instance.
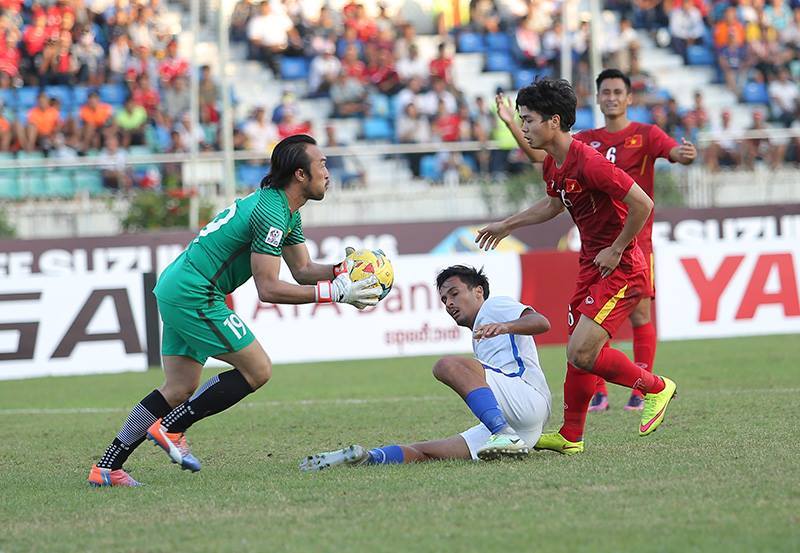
(634, 141)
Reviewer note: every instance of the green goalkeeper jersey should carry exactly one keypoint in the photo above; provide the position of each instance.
(217, 261)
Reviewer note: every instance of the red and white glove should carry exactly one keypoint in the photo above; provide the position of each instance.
(346, 265)
(361, 294)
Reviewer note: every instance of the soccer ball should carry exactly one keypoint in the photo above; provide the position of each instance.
(372, 262)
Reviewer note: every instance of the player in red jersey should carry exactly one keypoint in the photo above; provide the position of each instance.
(634, 148)
(609, 209)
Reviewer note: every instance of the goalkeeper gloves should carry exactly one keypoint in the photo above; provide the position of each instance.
(361, 294)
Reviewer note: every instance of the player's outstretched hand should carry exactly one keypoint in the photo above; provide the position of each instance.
(490, 331)
(687, 153)
(361, 294)
(504, 108)
(490, 236)
(607, 260)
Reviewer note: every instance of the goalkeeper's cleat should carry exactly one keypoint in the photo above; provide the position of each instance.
(353, 455)
(503, 445)
(554, 441)
(655, 407)
(635, 403)
(99, 478)
(175, 444)
(599, 402)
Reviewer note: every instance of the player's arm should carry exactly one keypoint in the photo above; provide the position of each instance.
(543, 210)
(271, 289)
(684, 154)
(303, 269)
(639, 207)
(530, 323)
(506, 113)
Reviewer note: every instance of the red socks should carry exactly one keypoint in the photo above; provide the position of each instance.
(644, 347)
(614, 366)
(578, 390)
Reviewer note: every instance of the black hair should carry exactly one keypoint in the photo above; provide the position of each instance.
(470, 276)
(549, 97)
(288, 156)
(612, 74)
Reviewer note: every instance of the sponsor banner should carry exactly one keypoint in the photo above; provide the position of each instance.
(86, 324)
(730, 289)
(411, 320)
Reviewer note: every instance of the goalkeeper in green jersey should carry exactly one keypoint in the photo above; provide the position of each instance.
(248, 238)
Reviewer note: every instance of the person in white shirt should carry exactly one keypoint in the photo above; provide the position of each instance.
(785, 96)
(261, 134)
(503, 385)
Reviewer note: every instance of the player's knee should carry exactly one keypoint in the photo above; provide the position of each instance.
(176, 393)
(639, 318)
(580, 357)
(446, 369)
(259, 375)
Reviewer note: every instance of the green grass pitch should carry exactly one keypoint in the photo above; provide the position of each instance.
(722, 473)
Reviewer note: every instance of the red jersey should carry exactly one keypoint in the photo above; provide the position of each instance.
(634, 149)
(592, 189)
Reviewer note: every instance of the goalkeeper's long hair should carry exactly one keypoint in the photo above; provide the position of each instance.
(288, 156)
(470, 276)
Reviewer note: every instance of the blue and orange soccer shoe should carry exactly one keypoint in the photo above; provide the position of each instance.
(175, 444)
(635, 403)
(599, 402)
(99, 478)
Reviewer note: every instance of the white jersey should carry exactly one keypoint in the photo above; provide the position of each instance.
(509, 354)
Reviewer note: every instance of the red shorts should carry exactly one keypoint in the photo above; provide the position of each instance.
(607, 301)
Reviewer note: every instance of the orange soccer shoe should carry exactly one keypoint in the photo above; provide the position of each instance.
(99, 478)
(175, 444)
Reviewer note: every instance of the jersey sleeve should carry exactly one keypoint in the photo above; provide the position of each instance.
(295, 235)
(601, 174)
(547, 167)
(503, 309)
(660, 143)
(267, 227)
(583, 136)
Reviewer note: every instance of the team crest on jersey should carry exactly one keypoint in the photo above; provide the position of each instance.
(274, 237)
(589, 300)
(595, 144)
(571, 186)
(634, 141)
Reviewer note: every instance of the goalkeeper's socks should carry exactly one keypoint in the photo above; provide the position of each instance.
(133, 431)
(483, 404)
(386, 455)
(214, 396)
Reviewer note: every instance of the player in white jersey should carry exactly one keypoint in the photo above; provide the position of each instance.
(503, 384)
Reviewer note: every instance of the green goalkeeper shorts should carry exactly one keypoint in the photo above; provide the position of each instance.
(201, 333)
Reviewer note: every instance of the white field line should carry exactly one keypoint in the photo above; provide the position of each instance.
(357, 401)
(259, 404)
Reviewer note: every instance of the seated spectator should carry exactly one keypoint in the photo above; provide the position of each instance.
(261, 133)
(323, 71)
(90, 59)
(172, 65)
(729, 31)
(352, 66)
(114, 169)
(44, 121)
(56, 64)
(413, 128)
(529, 43)
(785, 97)
(190, 134)
(345, 170)
(790, 36)
(95, 117)
(446, 124)
(287, 104)
(429, 102)
(242, 12)
(699, 111)
(441, 66)
(131, 121)
(291, 125)
(365, 27)
(268, 36)
(146, 96)
(349, 97)
(724, 151)
(484, 16)
(119, 54)
(209, 93)
(141, 63)
(412, 66)
(177, 99)
(761, 148)
(62, 150)
(686, 27)
(382, 75)
(8, 128)
(10, 56)
(734, 61)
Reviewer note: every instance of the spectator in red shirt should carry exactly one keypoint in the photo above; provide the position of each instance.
(441, 65)
(352, 66)
(146, 96)
(35, 36)
(56, 64)
(290, 125)
(446, 126)
(10, 56)
(172, 65)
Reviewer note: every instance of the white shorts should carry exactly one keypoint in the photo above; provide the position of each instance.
(525, 408)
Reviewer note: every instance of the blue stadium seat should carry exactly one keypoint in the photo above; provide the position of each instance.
(293, 68)
(470, 43)
(700, 55)
(59, 183)
(498, 42)
(500, 61)
(377, 128)
(63, 93)
(249, 176)
(9, 188)
(429, 168)
(114, 94)
(9, 97)
(26, 96)
(524, 77)
(640, 114)
(755, 93)
(584, 119)
(379, 105)
(90, 180)
(80, 94)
